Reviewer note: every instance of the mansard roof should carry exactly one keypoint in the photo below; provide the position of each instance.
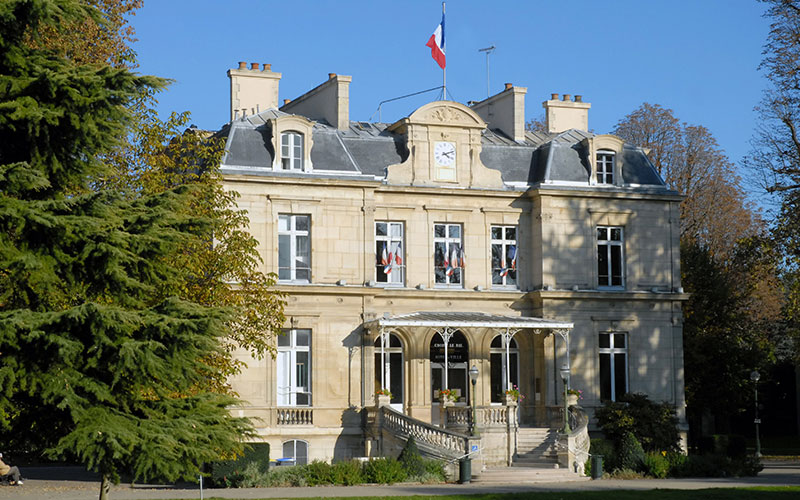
(366, 149)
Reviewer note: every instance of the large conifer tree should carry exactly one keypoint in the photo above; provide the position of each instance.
(88, 321)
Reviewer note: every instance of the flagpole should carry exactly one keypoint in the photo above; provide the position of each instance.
(444, 70)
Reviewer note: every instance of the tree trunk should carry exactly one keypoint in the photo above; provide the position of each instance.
(105, 485)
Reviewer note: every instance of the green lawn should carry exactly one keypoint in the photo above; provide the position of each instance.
(766, 493)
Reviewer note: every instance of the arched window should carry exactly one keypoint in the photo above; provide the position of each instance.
(292, 150)
(296, 449)
(389, 368)
(605, 166)
(497, 360)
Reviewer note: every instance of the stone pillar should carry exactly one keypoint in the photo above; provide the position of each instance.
(444, 404)
(511, 429)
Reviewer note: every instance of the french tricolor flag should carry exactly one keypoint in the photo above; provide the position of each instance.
(436, 43)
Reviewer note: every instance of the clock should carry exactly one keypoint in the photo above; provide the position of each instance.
(444, 153)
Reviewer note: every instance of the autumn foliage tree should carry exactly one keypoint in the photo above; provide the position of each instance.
(729, 265)
(775, 157)
(715, 211)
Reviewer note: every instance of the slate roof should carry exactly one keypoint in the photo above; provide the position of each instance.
(366, 149)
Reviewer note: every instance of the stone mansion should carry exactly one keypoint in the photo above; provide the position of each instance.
(452, 239)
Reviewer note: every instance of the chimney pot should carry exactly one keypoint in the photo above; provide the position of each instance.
(242, 65)
(331, 76)
(578, 98)
(554, 97)
(253, 65)
(267, 67)
(286, 101)
(567, 97)
(509, 85)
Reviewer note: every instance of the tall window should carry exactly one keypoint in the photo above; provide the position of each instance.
(504, 255)
(296, 449)
(613, 366)
(294, 248)
(605, 167)
(389, 368)
(389, 255)
(609, 257)
(292, 151)
(294, 368)
(448, 255)
(498, 366)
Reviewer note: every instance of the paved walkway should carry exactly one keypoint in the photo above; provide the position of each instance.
(73, 483)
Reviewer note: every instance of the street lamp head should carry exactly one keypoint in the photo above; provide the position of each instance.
(473, 374)
(754, 375)
(565, 372)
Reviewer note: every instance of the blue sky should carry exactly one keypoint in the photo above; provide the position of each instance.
(697, 57)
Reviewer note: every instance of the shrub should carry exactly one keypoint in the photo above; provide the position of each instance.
(230, 473)
(347, 473)
(432, 472)
(718, 466)
(676, 461)
(630, 454)
(411, 459)
(626, 474)
(656, 464)
(605, 448)
(317, 473)
(286, 476)
(653, 424)
(384, 471)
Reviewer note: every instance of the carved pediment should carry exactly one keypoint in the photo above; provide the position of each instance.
(441, 113)
(444, 141)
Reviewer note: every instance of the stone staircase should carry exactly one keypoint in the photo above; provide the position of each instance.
(536, 447)
(536, 461)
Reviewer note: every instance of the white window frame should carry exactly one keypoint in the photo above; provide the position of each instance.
(456, 279)
(504, 243)
(394, 240)
(612, 353)
(604, 165)
(293, 376)
(294, 234)
(293, 455)
(513, 353)
(292, 143)
(607, 247)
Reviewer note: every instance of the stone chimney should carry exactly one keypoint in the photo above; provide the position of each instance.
(253, 90)
(329, 101)
(505, 111)
(566, 114)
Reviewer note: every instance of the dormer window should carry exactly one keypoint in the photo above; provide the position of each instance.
(605, 166)
(292, 151)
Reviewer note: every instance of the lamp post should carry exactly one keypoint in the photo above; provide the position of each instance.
(565, 379)
(473, 377)
(754, 376)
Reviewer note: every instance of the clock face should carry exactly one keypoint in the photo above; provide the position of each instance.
(444, 153)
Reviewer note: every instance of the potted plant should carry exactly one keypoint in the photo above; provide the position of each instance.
(448, 396)
(513, 395)
(382, 397)
(573, 396)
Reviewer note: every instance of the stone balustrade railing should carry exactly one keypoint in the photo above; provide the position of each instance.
(295, 416)
(448, 442)
(574, 447)
(486, 417)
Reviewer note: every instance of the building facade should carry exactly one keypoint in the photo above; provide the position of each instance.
(452, 238)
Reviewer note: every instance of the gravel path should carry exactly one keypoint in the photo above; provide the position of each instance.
(74, 483)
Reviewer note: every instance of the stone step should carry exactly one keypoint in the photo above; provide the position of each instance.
(523, 475)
